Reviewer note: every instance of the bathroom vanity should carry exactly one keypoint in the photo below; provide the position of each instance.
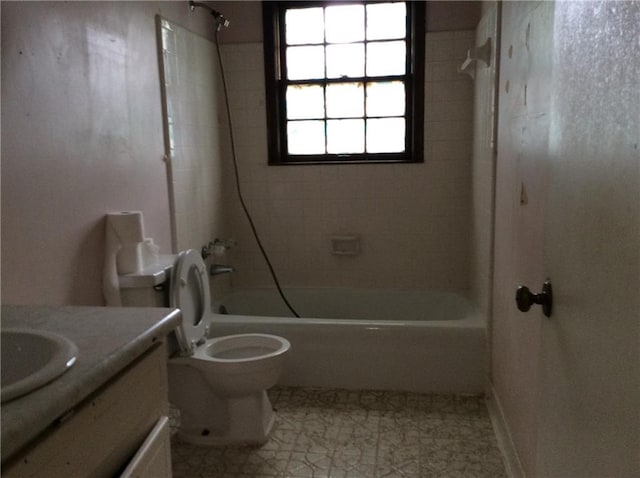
(107, 415)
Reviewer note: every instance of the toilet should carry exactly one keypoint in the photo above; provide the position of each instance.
(219, 384)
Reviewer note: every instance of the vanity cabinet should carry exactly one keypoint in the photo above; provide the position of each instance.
(120, 430)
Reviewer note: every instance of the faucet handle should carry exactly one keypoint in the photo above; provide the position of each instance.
(217, 246)
(205, 251)
(224, 243)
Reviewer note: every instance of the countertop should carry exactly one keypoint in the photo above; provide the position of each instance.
(108, 339)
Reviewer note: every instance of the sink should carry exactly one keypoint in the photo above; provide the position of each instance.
(31, 359)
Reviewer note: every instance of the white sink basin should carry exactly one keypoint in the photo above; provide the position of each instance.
(31, 359)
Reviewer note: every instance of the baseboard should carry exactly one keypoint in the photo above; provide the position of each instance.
(505, 443)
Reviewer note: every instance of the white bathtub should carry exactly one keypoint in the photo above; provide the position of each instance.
(420, 341)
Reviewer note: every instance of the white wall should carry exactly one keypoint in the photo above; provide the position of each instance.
(81, 136)
(523, 120)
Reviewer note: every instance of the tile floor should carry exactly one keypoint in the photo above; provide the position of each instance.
(322, 433)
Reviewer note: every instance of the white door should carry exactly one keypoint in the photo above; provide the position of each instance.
(589, 373)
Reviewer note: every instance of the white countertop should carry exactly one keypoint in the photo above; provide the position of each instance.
(108, 339)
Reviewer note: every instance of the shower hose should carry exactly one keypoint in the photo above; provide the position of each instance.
(237, 181)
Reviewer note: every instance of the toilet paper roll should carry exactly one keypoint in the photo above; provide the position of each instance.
(128, 226)
(124, 232)
(130, 258)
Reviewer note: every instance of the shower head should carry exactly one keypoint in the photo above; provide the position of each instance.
(221, 21)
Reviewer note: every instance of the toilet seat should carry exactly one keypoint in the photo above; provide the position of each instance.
(190, 293)
(242, 348)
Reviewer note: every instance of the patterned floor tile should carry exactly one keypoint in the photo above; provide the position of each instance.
(322, 433)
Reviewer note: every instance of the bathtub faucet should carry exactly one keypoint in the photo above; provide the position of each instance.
(217, 269)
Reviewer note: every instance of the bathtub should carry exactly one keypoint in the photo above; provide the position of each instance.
(415, 341)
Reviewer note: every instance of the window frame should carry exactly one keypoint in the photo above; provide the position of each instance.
(276, 85)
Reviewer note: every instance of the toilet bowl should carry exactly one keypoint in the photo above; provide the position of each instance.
(242, 363)
(219, 384)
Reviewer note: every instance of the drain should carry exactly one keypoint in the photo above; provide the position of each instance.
(205, 432)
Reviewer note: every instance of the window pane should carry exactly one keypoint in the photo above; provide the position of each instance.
(305, 102)
(304, 25)
(386, 21)
(345, 136)
(386, 58)
(305, 137)
(305, 62)
(345, 100)
(385, 135)
(345, 60)
(344, 24)
(385, 98)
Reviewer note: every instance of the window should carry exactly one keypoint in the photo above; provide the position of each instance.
(344, 81)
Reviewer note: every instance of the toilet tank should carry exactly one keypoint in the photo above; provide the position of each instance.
(148, 287)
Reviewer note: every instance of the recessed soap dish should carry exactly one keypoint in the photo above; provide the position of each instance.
(345, 245)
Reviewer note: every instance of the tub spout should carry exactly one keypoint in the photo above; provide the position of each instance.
(217, 269)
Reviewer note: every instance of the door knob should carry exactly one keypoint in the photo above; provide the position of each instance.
(525, 298)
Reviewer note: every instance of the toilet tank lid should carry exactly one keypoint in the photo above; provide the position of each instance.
(151, 275)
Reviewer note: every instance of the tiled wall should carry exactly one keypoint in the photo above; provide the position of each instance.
(414, 219)
(196, 135)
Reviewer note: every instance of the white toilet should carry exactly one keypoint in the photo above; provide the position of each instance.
(219, 384)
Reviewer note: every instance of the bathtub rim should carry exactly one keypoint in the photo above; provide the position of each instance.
(474, 320)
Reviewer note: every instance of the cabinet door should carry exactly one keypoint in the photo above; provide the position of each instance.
(153, 459)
